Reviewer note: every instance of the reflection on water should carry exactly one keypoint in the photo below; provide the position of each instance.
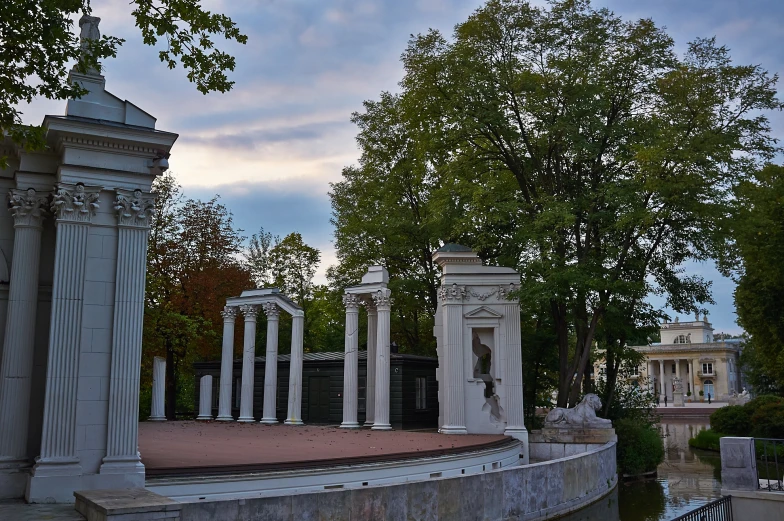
(604, 510)
(686, 480)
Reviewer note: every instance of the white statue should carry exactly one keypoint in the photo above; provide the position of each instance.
(583, 416)
(89, 27)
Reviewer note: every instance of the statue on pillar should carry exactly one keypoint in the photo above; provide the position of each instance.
(89, 26)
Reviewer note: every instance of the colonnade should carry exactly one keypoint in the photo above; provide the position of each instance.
(694, 365)
(271, 303)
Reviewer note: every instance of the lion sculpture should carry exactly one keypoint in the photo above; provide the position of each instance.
(583, 416)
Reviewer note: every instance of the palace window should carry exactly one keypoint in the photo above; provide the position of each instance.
(707, 368)
(421, 393)
(673, 368)
(680, 339)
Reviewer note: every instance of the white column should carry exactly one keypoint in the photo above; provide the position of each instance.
(294, 416)
(133, 215)
(351, 363)
(661, 379)
(695, 387)
(678, 368)
(73, 207)
(157, 410)
(454, 369)
(269, 414)
(383, 309)
(370, 378)
(16, 368)
(513, 377)
(651, 375)
(227, 364)
(248, 363)
(205, 398)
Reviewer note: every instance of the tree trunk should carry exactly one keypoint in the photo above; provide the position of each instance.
(558, 311)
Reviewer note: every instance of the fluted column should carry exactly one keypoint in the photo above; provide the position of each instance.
(158, 406)
(370, 379)
(227, 364)
(381, 414)
(73, 207)
(205, 398)
(513, 377)
(294, 415)
(454, 369)
(16, 368)
(351, 363)
(695, 386)
(134, 210)
(271, 364)
(661, 379)
(248, 363)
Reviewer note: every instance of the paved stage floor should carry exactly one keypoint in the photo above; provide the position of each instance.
(188, 447)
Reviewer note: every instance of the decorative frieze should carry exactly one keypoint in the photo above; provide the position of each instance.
(106, 144)
(505, 291)
(75, 203)
(352, 302)
(134, 208)
(27, 206)
(452, 293)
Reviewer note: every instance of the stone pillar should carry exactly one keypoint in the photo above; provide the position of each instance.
(662, 390)
(73, 207)
(351, 363)
(513, 384)
(695, 387)
(248, 363)
(271, 364)
(158, 408)
(205, 398)
(134, 209)
(383, 310)
(454, 368)
(294, 416)
(16, 368)
(370, 379)
(651, 375)
(227, 365)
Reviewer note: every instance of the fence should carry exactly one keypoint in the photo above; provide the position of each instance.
(719, 510)
(770, 463)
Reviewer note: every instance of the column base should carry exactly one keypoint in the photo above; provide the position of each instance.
(269, 421)
(156, 419)
(349, 425)
(223, 418)
(203, 418)
(245, 419)
(453, 429)
(122, 465)
(13, 478)
(368, 425)
(381, 427)
(294, 422)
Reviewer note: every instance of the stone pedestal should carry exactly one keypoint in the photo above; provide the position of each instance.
(158, 409)
(205, 398)
(269, 414)
(248, 364)
(227, 364)
(383, 309)
(351, 363)
(294, 415)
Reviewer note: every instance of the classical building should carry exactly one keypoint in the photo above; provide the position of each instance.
(689, 352)
(72, 272)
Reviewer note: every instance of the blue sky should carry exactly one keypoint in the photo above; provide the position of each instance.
(271, 146)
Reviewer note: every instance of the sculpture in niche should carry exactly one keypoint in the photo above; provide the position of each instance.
(583, 416)
(483, 370)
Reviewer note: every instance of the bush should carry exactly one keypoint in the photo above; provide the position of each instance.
(640, 447)
(768, 420)
(759, 401)
(733, 420)
(707, 439)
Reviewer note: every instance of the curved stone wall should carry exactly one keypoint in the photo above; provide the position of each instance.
(526, 493)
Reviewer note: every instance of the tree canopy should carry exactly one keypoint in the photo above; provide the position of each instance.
(570, 144)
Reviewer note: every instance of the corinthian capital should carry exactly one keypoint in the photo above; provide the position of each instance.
(76, 203)
(271, 309)
(351, 302)
(27, 206)
(134, 208)
(382, 298)
(229, 313)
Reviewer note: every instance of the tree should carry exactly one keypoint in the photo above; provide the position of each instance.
(258, 257)
(579, 148)
(754, 240)
(39, 44)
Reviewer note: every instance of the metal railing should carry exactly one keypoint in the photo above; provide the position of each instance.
(719, 510)
(770, 463)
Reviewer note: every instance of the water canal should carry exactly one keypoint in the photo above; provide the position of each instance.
(687, 479)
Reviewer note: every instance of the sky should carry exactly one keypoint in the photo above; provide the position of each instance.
(271, 146)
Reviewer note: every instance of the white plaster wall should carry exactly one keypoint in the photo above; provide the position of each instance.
(92, 403)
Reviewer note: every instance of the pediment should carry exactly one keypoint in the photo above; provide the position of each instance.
(483, 312)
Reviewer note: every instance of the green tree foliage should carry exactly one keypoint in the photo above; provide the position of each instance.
(732, 420)
(39, 42)
(565, 142)
(755, 248)
(640, 447)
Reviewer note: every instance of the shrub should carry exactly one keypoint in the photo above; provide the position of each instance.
(732, 420)
(706, 440)
(768, 420)
(759, 401)
(640, 447)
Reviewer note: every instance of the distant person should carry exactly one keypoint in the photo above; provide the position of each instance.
(665, 400)
(708, 398)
